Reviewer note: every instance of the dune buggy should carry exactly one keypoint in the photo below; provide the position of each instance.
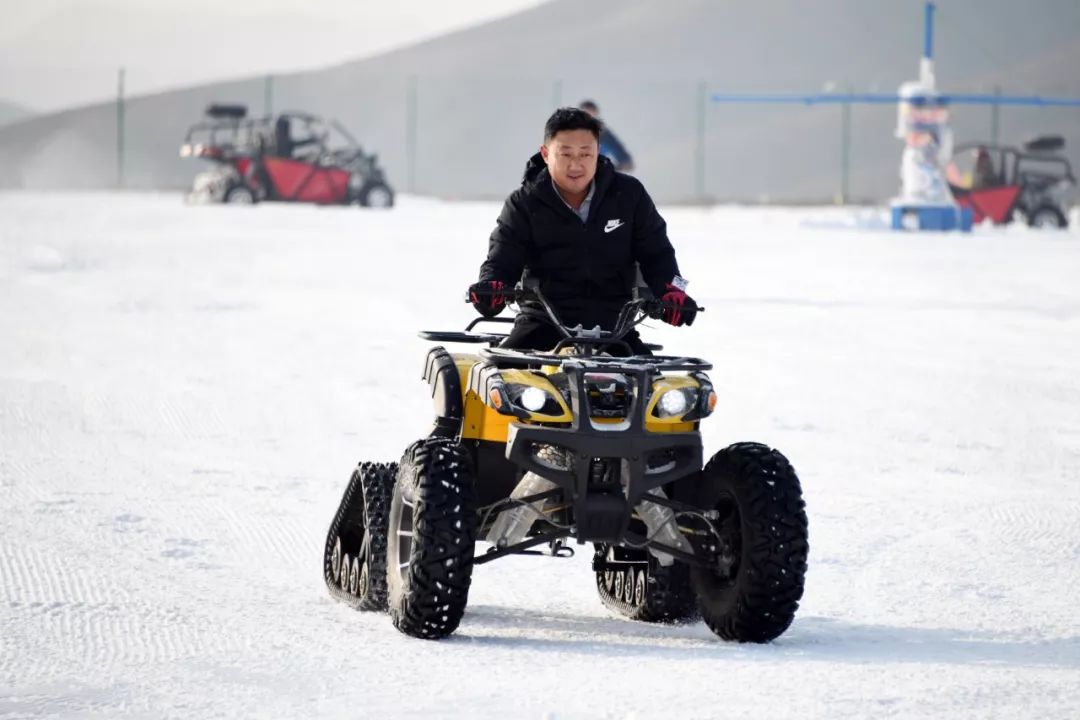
(1004, 183)
(585, 443)
(291, 157)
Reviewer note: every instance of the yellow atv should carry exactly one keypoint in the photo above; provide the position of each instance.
(533, 449)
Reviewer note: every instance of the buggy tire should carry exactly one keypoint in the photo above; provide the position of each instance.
(753, 596)
(667, 597)
(376, 195)
(240, 195)
(358, 533)
(1047, 216)
(432, 538)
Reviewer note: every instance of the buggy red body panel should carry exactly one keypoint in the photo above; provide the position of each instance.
(995, 203)
(306, 182)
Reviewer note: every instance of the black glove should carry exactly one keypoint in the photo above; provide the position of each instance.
(684, 308)
(486, 298)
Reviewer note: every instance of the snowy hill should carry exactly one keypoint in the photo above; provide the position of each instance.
(11, 113)
(184, 391)
(643, 63)
(60, 54)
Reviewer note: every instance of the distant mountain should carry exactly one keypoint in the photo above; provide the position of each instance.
(11, 113)
(58, 54)
(481, 96)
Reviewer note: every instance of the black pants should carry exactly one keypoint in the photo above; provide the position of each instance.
(532, 334)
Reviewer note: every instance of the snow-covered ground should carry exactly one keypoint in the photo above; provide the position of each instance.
(183, 392)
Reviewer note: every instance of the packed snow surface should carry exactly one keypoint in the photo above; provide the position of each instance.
(184, 391)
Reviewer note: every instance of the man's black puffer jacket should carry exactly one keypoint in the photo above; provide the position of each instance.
(586, 270)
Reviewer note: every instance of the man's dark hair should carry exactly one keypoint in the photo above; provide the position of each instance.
(569, 118)
(589, 106)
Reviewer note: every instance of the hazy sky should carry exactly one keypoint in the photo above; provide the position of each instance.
(60, 53)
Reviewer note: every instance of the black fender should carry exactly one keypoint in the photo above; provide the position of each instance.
(441, 375)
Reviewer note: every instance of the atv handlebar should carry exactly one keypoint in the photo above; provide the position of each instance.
(632, 314)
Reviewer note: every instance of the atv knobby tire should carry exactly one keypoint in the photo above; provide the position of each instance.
(753, 591)
(354, 563)
(658, 594)
(432, 538)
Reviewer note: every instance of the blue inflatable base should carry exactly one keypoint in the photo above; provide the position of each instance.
(931, 217)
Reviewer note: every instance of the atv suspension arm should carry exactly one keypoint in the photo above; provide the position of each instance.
(496, 553)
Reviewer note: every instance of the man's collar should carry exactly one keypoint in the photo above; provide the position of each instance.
(588, 195)
(537, 181)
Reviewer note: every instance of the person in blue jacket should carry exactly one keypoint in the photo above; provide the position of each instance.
(610, 146)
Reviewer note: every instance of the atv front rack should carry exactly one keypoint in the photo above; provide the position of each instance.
(505, 357)
(455, 336)
(468, 336)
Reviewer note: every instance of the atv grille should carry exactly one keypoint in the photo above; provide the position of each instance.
(553, 457)
(608, 395)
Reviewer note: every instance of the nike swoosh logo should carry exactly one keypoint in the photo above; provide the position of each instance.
(613, 225)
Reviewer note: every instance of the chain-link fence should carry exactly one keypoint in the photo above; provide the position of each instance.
(469, 137)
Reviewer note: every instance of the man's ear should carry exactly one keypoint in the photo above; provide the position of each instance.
(544, 152)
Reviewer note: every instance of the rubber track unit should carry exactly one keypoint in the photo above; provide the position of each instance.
(428, 600)
(761, 603)
(364, 505)
(668, 595)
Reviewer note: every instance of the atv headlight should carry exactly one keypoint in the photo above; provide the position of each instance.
(519, 399)
(676, 402)
(533, 399)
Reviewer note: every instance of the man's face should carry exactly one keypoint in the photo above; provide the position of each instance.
(571, 159)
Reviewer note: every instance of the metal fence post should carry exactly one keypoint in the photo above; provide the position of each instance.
(995, 117)
(699, 165)
(411, 133)
(120, 129)
(268, 96)
(845, 151)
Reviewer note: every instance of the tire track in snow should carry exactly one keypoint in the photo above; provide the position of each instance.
(189, 419)
(33, 412)
(1055, 524)
(22, 576)
(60, 619)
(171, 415)
(280, 540)
(61, 638)
(1041, 531)
(31, 575)
(20, 481)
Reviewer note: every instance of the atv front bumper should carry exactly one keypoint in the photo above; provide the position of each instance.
(646, 460)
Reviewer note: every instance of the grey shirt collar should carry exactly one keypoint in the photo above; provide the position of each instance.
(583, 213)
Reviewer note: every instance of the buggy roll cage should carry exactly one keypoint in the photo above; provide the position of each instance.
(232, 133)
(1012, 157)
(228, 137)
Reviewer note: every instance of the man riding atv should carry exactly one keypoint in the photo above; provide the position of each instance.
(577, 228)
(574, 432)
